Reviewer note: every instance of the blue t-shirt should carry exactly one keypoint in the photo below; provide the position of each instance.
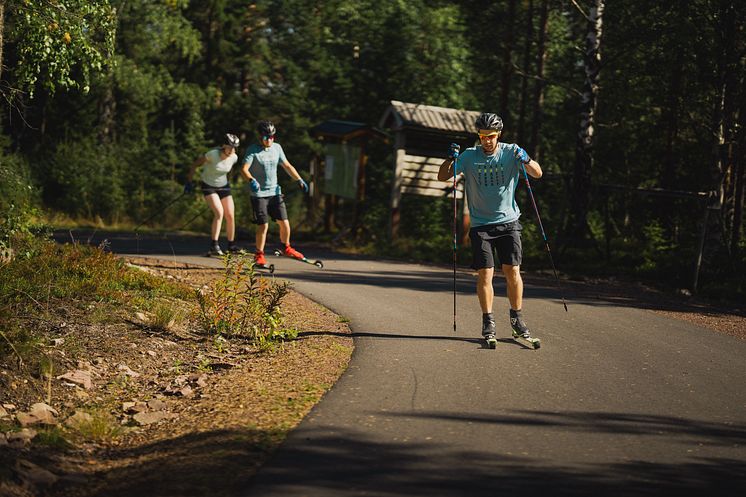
(490, 182)
(263, 164)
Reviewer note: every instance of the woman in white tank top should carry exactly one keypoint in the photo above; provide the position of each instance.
(217, 163)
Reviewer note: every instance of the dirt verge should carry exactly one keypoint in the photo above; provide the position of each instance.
(175, 413)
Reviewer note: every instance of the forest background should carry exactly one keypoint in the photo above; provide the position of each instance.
(634, 109)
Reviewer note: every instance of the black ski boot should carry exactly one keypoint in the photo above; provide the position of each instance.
(214, 249)
(521, 333)
(520, 330)
(488, 329)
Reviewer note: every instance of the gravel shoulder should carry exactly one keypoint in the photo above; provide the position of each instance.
(175, 413)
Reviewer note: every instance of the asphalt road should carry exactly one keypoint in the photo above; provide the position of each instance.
(618, 401)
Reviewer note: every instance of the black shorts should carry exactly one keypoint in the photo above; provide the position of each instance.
(266, 207)
(221, 191)
(505, 239)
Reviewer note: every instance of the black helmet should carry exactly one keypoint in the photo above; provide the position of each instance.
(232, 140)
(488, 120)
(265, 128)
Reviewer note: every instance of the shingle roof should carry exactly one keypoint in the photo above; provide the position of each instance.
(403, 114)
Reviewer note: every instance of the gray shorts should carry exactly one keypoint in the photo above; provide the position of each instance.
(266, 207)
(505, 239)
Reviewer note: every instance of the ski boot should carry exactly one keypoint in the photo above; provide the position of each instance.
(488, 330)
(291, 252)
(521, 333)
(214, 250)
(260, 262)
(259, 259)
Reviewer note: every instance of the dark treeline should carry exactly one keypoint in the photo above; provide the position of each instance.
(106, 102)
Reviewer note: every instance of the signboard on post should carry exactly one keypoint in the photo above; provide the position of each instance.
(341, 169)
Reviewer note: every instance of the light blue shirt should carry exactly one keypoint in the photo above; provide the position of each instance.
(490, 182)
(263, 164)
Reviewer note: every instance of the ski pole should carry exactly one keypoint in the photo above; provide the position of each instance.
(192, 220)
(455, 226)
(161, 209)
(543, 234)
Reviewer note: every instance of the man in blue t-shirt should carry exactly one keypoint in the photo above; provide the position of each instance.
(491, 173)
(260, 170)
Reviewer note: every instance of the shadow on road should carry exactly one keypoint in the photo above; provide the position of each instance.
(347, 464)
(222, 463)
(695, 431)
(399, 336)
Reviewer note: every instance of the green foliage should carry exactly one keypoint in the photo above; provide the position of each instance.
(243, 304)
(52, 437)
(101, 427)
(74, 271)
(168, 78)
(18, 199)
(165, 315)
(656, 246)
(43, 272)
(87, 180)
(61, 44)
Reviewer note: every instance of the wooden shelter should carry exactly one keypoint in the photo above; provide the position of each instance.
(422, 134)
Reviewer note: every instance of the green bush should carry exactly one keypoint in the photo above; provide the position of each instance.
(18, 199)
(242, 304)
(86, 180)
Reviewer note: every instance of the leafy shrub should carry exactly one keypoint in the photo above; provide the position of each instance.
(18, 198)
(243, 304)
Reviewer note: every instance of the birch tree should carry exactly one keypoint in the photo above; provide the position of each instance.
(585, 139)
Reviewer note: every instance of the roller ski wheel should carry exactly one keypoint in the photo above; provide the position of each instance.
(491, 341)
(265, 267)
(316, 263)
(528, 341)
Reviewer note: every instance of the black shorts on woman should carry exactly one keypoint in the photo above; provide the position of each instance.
(503, 239)
(220, 191)
(266, 207)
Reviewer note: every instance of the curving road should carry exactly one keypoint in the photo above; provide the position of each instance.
(618, 401)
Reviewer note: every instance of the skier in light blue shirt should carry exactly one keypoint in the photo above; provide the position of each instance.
(491, 172)
(260, 170)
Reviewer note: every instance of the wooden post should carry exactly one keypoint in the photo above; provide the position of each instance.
(396, 185)
(360, 194)
(700, 251)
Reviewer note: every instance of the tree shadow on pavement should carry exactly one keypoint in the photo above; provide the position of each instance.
(222, 463)
(339, 462)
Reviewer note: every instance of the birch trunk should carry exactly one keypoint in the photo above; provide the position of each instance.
(541, 59)
(584, 146)
(507, 65)
(529, 32)
(2, 35)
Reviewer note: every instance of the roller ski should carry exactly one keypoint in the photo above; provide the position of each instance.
(291, 253)
(521, 334)
(488, 331)
(260, 262)
(215, 250)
